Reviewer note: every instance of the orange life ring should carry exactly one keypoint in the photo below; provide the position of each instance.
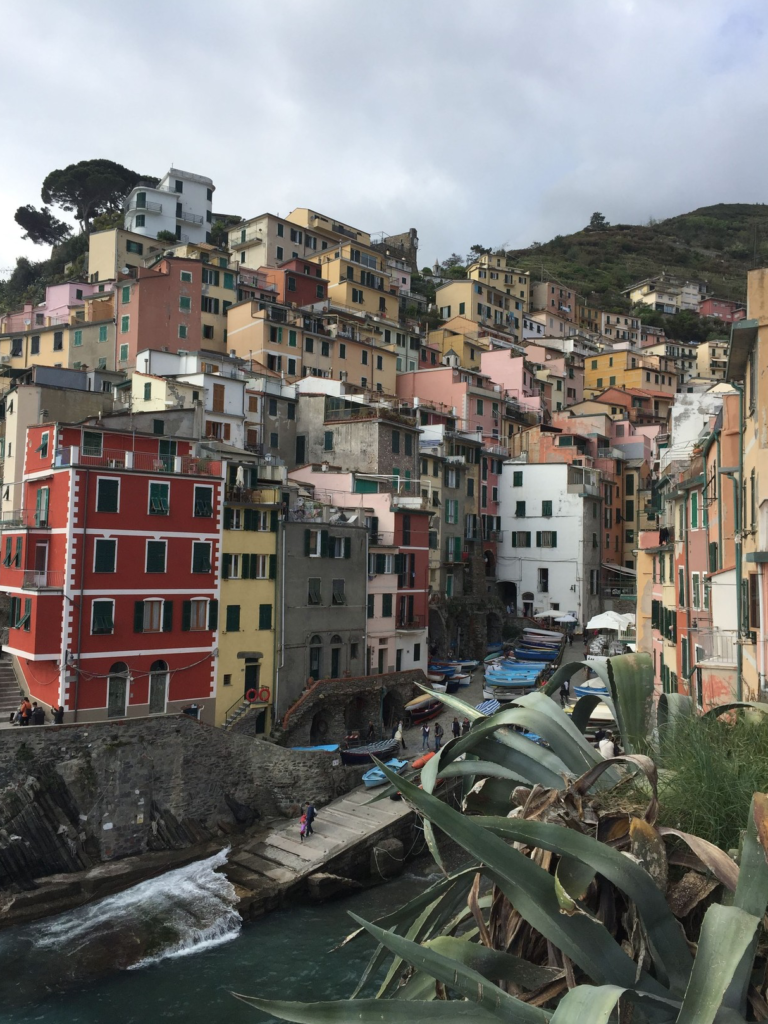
(264, 694)
(251, 696)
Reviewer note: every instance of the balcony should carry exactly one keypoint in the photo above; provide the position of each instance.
(110, 458)
(241, 243)
(24, 518)
(189, 217)
(405, 624)
(381, 540)
(149, 207)
(249, 496)
(33, 579)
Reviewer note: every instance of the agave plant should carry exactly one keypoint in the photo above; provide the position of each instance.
(566, 910)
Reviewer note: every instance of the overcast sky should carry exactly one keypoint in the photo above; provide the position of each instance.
(497, 122)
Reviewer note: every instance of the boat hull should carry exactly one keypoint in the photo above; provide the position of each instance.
(376, 777)
(382, 751)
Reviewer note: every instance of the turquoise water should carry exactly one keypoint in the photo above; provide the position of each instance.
(286, 955)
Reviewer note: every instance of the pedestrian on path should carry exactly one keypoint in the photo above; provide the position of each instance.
(438, 736)
(425, 737)
(311, 815)
(399, 735)
(456, 727)
(302, 827)
(371, 733)
(465, 726)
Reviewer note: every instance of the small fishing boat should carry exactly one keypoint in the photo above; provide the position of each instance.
(330, 747)
(364, 754)
(439, 687)
(421, 761)
(421, 709)
(464, 679)
(451, 684)
(467, 666)
(376, 777)
(436, 677)
(549, 633)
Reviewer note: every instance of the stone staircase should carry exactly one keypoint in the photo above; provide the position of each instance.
(9, 689)
(237, 714)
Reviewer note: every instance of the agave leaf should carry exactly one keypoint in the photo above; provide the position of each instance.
(544, 705)
(588, 779)
(495, 965)
(631, 685)
(718, 862)
(595, 1004)
(584, 706)
(460, 977)
(418, 986)
(372, 1011)
(490, 796)
(419, 930)
(671, 709)
(735, 705)
(524, 762)
(487, 768)
(531, 891)
(751, 896)
(454, 702)
(726, 935)
(566, 672)
(572, 879)
(667, 940)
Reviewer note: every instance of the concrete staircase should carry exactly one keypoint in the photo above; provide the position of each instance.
(235, 715)
(9, 689)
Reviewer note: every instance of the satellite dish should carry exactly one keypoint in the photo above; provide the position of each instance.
(27, 323)
(125, 270)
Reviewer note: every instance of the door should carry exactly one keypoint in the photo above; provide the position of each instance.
(117, 693)
(335, 662)
(251, 676)
(41, 564)
(301, 449)
(167, 452)
(382, 658)
(314, 662)
(158, 687)
(399, 659)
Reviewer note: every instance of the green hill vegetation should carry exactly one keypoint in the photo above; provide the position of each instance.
(718, 244)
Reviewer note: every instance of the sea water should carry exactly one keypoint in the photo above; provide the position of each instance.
(173, 949)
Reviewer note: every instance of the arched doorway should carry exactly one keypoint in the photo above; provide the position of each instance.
(390, 711)
(528, 603)
(490, 563)
(320, 728)
(315, 656)
(158, 687)
(117, 690)
(336, 643)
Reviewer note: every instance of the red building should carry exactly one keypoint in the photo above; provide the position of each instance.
(723, 309)
(297, 282)
(112, 571)
(412, 539)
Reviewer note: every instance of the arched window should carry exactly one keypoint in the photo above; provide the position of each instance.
(336, 639)
(315, 656)
(158, 687)
(117, 690)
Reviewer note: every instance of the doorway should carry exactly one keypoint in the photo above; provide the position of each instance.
(382, 659)
(301, 449)
(117, 690)
(41, 564)
(251, 676)
(158, 687)
(399, 659)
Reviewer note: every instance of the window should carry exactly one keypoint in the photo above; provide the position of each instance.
(125, 325)
(78, 340)
(517, 478)
(313, 590)
(105, 555)
(203, 502)
(520, 509)
(182, 334)
(185, 304)
(696, 591)
(470, 487)
(386, 606)
(546, 539)
(339, 596)
(681, 587)
(155, 558)
(313, 543)
(151, 615)
(107, 493)
(35, 345)
(543, 581)
(134, 247)
(521, 539)
(395, 442)
(546, 508)
(186, 275)
(201, 556)
(265, 616)
(694, 510)
(197, 615)
(370, 609)
(328, 441)
(278, 251)
(102, 617)
(233, 618)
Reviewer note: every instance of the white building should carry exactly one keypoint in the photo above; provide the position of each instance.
(549, 554)
(180, 203)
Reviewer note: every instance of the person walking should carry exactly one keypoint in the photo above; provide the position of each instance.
(570, 639)
(456, 727)
(564, 692)
(425, 737)
(398, 737)
(465, 726)
(311, 815)
(370, 737)
(439, 732)
(302, 827)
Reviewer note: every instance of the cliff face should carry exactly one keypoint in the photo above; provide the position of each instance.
(73, 796)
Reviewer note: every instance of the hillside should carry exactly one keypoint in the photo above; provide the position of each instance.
(718, 244)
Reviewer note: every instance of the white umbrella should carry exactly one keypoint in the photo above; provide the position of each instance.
(240, 477)
(544, 615)
(567, 618)
(607, 620)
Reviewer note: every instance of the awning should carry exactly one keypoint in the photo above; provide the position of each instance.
(623, 569)
(743, 337)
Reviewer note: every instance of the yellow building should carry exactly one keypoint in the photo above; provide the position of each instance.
(484, 304)
(496, 271)
(327, 226)
(111, 250)
(249, 604)
(79, 345)
(462, 337)
(628, 369)
(359, 280)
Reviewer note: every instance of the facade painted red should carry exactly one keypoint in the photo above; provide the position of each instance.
(412, 600)
(298, 282)
(112, 568)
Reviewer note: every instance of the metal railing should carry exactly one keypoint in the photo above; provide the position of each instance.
(381, 540)
(410, 622)
(250, 496)
(17, 518)
(716, 646)
(33, 579)
(111, 458)
(149, 206)
(190, 218)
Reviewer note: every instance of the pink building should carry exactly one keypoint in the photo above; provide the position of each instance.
(723, 309)
(477, 401)
(61, 302)
(514, 374)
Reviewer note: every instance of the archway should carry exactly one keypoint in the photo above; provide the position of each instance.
(354, 716)
(117, 690)
(320, 728)
(438, 634)
(508, 591)
(490, 563)
(336, 643)
(528, 599)
(158, 687)
(390, 710)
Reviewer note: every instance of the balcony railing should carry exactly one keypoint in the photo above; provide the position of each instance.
(412, 622)
(716, 646)
(381, 540)
(34, 579)
(248, 240)
(20, 518)
(249, 496)
(110, 458)
(150, 207)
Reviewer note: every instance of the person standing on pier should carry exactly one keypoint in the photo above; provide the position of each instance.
(311, 815)
(456, 727)
(425, 737)
(438, 736)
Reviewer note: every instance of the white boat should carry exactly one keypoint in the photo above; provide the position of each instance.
(439, 687)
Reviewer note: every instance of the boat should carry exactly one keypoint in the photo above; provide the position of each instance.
(376, 777)
(330, 747)
(537, 655)
(549, 633)
(464, 679)
(452, 684)
(445, 667)
(436, 677)
(421, 761)
(439, 687)
(364, 754)
(467, 666)
(421, 709)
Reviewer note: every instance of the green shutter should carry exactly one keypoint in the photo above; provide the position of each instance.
(380, 564)
(538, 538)
(8, 551)
(400, 559)
(186, 615)
(17, 556)
(233, 618)
(457, 548)
(265, 616)
(713, 556)
(245, 567)
(229, 518)
(272, 566)
(273, 521)
(226, 565)
(684, 651)
(347, 547)
(106, 495)
(167, 616)
(554, 538)
(27, 616)
(213, 614)
(156, 556)
(386, 605)
(306, 542)
(514, 538)
(694, 518)
(324, 543)
(546, 508)
(105, 556)
(138, 617)
(248, 519)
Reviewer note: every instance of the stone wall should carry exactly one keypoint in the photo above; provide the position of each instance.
(74, 795)
(333, 708)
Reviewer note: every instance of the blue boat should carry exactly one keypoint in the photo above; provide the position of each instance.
(537, 655)
(376, 777)
(320, 746)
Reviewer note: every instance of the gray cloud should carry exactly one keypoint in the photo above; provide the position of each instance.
(494, 122)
